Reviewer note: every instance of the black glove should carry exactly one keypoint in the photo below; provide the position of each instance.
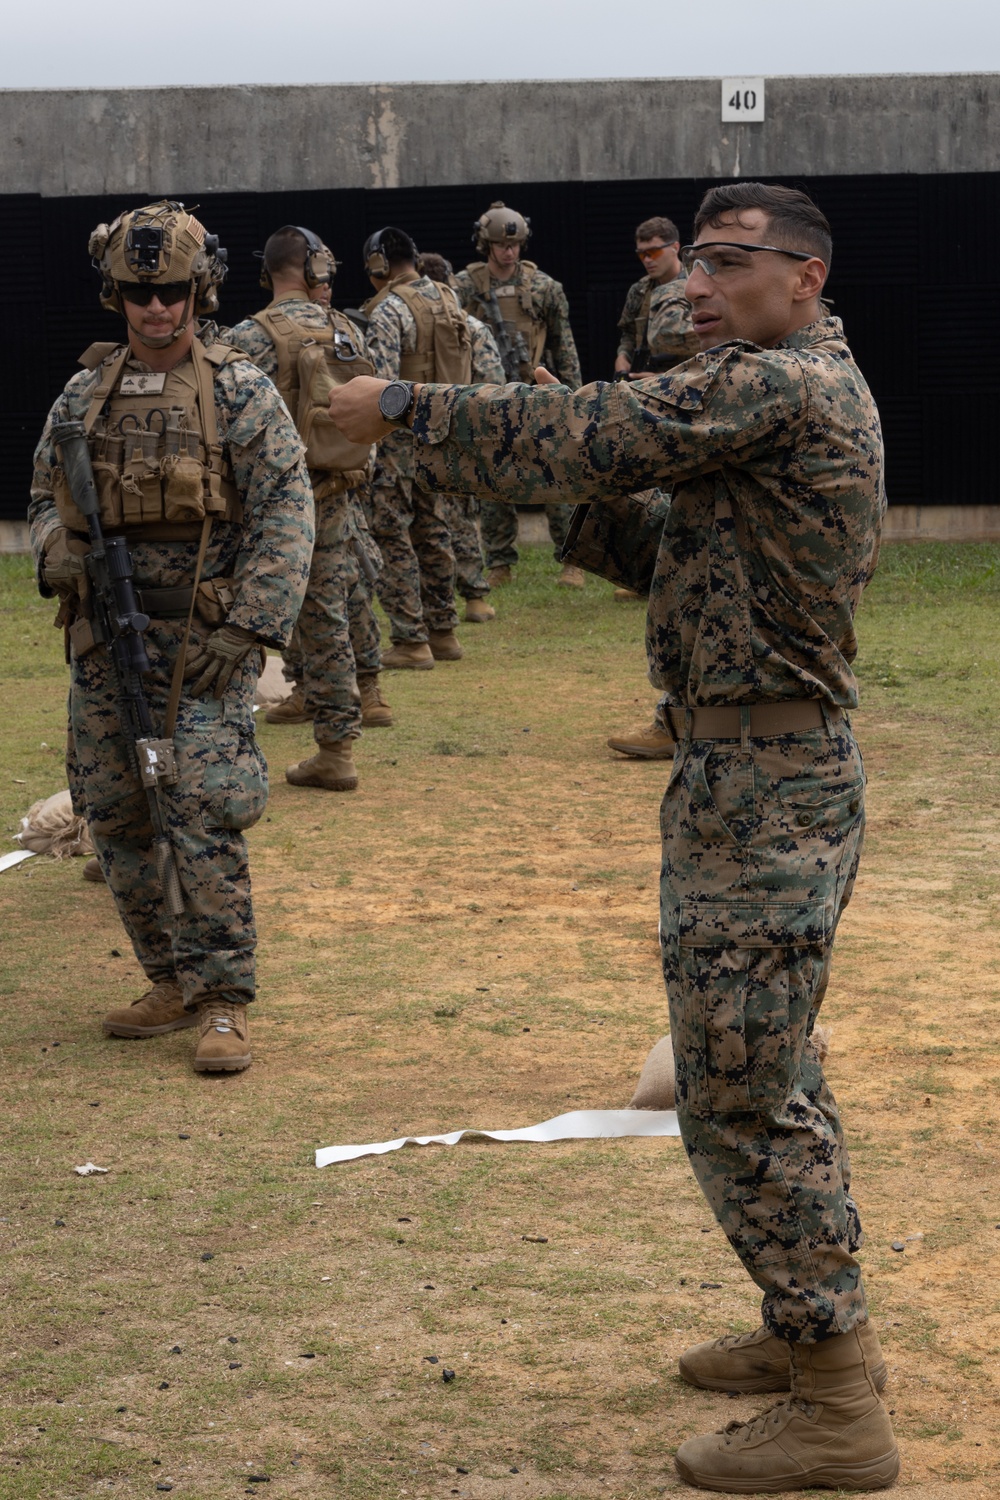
(215, 659)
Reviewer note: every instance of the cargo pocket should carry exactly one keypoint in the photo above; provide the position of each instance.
(749, 972)
(234, 787)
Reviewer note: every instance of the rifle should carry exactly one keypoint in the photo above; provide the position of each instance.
(119, 624)
(510, 357)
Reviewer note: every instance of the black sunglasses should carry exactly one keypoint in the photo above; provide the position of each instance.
(141, 293)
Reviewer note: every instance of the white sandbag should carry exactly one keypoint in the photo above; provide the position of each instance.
(52, 827)
(272, 686)
(657, 1087)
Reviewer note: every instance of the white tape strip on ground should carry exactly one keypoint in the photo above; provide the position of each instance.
(8, 861)
(578, 1125)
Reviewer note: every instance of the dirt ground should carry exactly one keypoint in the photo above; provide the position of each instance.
(470, 940)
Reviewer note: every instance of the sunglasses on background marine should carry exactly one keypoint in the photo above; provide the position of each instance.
(141, 293)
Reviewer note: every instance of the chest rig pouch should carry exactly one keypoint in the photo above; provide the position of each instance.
(526, 331)
(313, 362)
(154, 445)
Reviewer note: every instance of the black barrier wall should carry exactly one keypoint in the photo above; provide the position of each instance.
(914, 278)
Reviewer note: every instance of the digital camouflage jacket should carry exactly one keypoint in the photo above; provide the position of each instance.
(774, 457)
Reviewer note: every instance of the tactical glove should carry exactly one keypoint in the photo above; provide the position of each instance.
(63, 567)
(215, 659)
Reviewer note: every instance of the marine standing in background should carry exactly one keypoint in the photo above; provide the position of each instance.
(462, 511)
(655, 324)
(416, 330)
(198, 467)
(528, 315)
(656, 334)
(306, 349)
(771, 445)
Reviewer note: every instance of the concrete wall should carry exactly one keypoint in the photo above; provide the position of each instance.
(72, 142)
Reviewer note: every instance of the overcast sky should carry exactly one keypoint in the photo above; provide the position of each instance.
(70, 44)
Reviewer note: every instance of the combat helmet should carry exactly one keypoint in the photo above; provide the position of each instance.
(160, 242)
(500, 225)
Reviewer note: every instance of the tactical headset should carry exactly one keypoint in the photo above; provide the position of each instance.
(376, 260)
(318, 268)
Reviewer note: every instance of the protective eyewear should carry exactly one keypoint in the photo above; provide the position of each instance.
(653, 253)
(141, 293)
(725, 255)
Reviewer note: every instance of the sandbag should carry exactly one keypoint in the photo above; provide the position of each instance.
(656, 1088)
(51, 827)
(272, 686)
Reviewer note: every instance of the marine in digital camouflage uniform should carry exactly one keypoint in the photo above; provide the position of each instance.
(528, 314)
(201, 963)
(409, 520)
(771, 444)
(655, 326)
(462, 511)
(320, 658)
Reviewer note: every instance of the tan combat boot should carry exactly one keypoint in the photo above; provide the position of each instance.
(332, 768)
(92, 869)
(375, 712)
(499, 576)
(477, 612)
(444, 645)
(754, 1362)
(224, 1042)
(413, 654)
(158, 1010)
(627, 596)
(832, 1433)
(652, 743)
(571, 577)
(292, 710)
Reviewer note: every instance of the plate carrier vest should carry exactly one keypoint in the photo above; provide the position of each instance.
(444, 342)
(159, 467)
(311, 363)
(516, 309)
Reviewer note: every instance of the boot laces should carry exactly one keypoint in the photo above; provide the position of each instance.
(163, 992)
(222, 1014)
(775, 1416)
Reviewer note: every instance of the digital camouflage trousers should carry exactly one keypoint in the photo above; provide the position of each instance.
(498, 524)
(460, 514)
(760, 852)
(416, 587)
(336, 636)
(221, 790)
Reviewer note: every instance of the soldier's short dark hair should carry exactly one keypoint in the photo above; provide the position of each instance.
(651, 229)
(793, 220)
(435, 266)
(285, 250)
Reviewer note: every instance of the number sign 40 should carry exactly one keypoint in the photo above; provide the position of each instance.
(742, 99)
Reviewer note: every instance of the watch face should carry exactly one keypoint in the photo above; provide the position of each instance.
(394, 401)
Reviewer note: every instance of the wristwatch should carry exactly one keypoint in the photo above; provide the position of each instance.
(396, 400)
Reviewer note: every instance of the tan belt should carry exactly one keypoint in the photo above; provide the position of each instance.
(766, 719)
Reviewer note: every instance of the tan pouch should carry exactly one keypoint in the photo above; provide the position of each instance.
(183, 490)
(214, 601)
(66, 507)
(109, 492)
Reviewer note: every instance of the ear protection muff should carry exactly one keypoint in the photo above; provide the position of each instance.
(318, 268)
(375, 257)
